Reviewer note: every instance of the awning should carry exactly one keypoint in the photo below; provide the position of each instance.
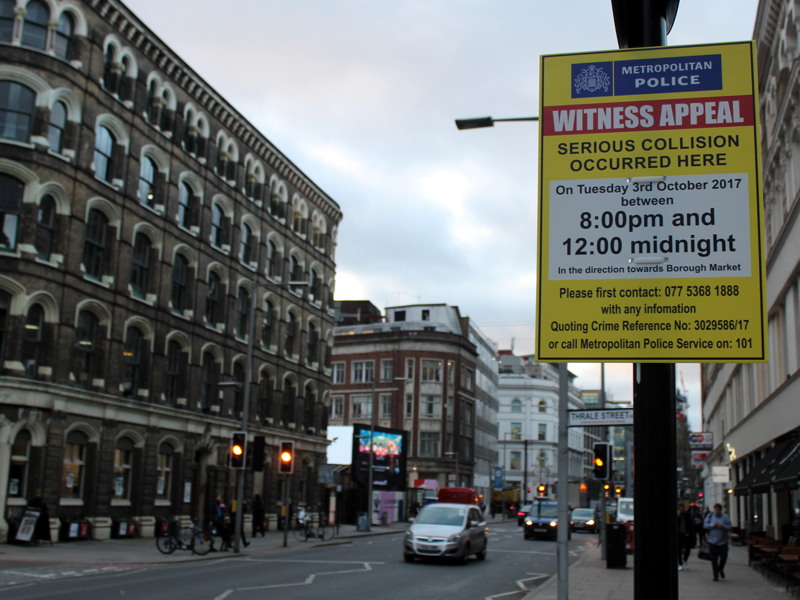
(787, 470)
(758, 479)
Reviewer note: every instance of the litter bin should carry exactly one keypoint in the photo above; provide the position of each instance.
(616, 556)
(363, 522)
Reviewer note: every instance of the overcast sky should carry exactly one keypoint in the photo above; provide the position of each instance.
(362, 94)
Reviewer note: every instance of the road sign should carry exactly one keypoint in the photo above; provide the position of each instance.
(587, 418)
(650, 215)
(701, 440)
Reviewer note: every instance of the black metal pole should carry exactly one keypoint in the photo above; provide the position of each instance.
(655, 506)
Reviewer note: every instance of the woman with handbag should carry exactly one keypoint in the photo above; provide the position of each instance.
(718, 524)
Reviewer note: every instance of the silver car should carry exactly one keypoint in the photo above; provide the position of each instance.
(445, 530)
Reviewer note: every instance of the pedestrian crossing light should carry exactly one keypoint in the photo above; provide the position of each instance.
(238, 450)
(286, 458)
(602, 461)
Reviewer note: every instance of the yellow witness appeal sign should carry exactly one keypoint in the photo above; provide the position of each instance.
(650, 207)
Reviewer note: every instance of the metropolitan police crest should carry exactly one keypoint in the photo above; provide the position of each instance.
(591, 80)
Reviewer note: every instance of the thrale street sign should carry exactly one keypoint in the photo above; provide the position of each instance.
(587, 418)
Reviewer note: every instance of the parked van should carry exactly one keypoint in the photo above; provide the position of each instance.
(624, 510)
(459, 495)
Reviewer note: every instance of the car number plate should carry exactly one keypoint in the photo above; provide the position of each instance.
(539, 529)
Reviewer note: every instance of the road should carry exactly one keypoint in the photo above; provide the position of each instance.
(369, 567)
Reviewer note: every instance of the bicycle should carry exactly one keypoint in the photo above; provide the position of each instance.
(305, 529)
(184, 538)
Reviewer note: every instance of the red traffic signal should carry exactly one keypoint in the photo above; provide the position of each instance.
(286, 457)
(237, 455)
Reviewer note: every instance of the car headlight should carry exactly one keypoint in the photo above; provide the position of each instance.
(553, 523)
(409, 535)
(528, 522)
(590, 522)
(454, 538)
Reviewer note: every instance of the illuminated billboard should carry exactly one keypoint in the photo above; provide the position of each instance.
(388, 462)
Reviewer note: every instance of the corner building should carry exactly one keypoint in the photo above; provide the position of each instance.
(140, 216)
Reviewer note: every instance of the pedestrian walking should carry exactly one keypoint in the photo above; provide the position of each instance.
(717, 525)
(259, 514)
(697, 523)
(685, 536)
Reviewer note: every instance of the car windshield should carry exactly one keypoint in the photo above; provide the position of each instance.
(625, 507)
(526, 508)
(548, 510)
(583, 513)
(441, 515)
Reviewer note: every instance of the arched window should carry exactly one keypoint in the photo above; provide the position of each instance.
(265, 396)
(308, 405)
(72, 473)
(242, 305)
(312, 345)
(17, 105)
(315, 292)
(45, 227)
(164, 467)
(268, 326)
(147, 182)
(542, 406)
(189, 133)
(153, 103)
(516, 405)
(32, 340)
(217, 230)
(20, 456)
(214, 300)
(186, 205)
(123, 467)
(95, 245)
(11, 192)
(110, 74)
(180, 283)
(273, 260)
(140, 265)
(5, 314)
(295, 269)
(62, 38)
(238, 390)
(104, 143)
(287, 408)
(175, 372)
(7, 17)
(87, 339)
(58, 123)
(291, 335)
(134, 360)
(34, 29)
(246, 250)
(209, 382)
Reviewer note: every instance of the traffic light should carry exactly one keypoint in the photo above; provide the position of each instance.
(541, 489)
(286, 458)
(237, 455)
(602, 461)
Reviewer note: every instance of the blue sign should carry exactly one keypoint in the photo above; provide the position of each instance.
(672, 74)
(497, 479)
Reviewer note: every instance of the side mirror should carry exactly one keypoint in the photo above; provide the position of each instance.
(474, 523)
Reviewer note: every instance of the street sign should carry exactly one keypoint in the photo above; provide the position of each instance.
(650, 215)
(701, 440)
(587, 418)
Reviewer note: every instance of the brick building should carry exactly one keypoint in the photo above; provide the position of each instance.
(140, 216)
(419, 372)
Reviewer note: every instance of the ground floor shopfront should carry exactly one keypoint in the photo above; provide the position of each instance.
(100, 466)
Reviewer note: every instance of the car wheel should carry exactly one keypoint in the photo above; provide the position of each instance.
(408, 557)
(482, 554)
(527, 537)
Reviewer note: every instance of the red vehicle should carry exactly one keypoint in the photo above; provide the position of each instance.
(459, 496)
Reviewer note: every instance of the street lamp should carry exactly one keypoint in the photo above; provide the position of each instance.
(479, 122)
(248, 379)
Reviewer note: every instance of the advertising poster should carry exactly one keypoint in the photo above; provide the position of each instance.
(650, 209)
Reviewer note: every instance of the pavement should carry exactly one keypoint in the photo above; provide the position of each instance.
(588, 577)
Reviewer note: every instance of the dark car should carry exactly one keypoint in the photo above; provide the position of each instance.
(542, 521)
(584, 519)
(522, 513)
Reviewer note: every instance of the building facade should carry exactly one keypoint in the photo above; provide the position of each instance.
(419, 372)
(141, 215)
(528, 432)
(751, 409)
